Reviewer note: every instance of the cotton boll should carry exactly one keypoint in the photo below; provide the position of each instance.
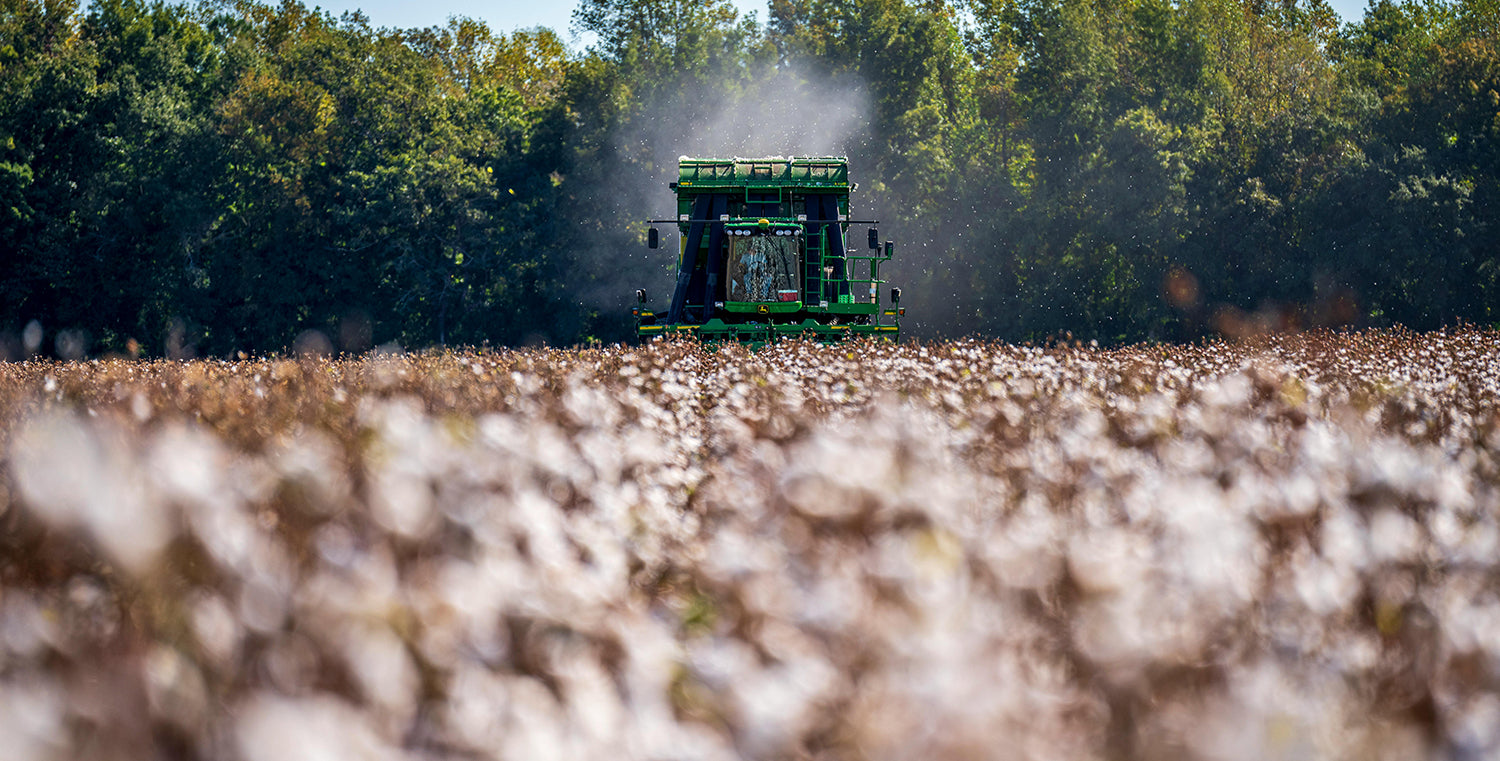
(1476, 728)
(319, 728)
(215, 628)
(26, 630)
(1299, 497)
(1345, 540)
(776, 706)
(473, 714)
(596, 715)
(263, 603)
(74, 473)
(402, 502)
(312, 463)
(535, 727)
(1217, 558)
(1107, 562)
(403, 459)
(187, 466)
(1025, 552)
(1394, 537)
(1324, 587)
(231, 536)
(1264, 712)
(175, 689)
(386, 675)
(33, 715)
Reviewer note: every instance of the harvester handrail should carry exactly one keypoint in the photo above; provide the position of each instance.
(739, 219)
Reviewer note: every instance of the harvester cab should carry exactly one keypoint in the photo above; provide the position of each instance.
(762, 255)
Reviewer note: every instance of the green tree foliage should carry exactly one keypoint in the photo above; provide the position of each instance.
(1414, 207)
(229, 176)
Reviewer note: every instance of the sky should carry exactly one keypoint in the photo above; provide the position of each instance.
(509, 15)
(501, 15)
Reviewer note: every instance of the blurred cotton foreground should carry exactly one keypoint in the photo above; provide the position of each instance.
(1278, 549)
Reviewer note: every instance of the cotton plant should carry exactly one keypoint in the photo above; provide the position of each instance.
(1278, 548)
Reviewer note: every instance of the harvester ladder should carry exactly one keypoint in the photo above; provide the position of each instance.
(812, 268)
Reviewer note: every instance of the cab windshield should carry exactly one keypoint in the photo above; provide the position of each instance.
(762, 267)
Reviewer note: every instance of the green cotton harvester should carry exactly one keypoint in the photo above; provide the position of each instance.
(763, 255)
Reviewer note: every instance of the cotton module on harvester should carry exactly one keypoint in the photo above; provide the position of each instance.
(762, 255)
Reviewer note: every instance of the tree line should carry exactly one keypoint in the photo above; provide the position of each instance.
(229, 176)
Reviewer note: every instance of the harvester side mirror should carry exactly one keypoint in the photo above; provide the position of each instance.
(895, 295)
(653, 238)
(874, 238)
(640, 295)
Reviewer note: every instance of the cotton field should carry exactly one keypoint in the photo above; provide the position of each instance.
(1285, 548)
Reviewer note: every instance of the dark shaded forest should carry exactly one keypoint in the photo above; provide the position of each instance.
(229, 177)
